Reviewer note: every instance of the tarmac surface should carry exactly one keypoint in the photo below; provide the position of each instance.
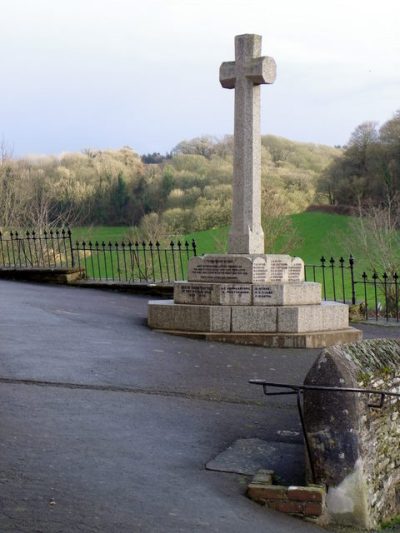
(106, 426)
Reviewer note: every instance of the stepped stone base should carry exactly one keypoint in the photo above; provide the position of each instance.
(167, 315)
(316, 339)
(252, 299)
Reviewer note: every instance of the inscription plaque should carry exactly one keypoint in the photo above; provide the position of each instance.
(193, 293)
(296, 270)
(235, 294)
(227, 268)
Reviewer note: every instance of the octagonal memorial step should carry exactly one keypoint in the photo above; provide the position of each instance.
(301, 293)
(327, 316)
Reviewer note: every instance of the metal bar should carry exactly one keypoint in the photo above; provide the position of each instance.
(137, 256)
(323, 388)
(364, 276)
(146, 274)
(111, 260)
(341, 261)
(79, 256)
(103, 245)
(47, 247)
(53, 248)
(332, 262)
(353, 288)
(65, 247)
(69, 233)
(323, 276)
(167, 265)
(12, 247)
(91, 258)
(84, 255)
(124, 260)
(173, 258)
(385, 276)
(19, 243)
(303, 427)
(180, 258)
(58, 247)
(118, 265)
(152, 260)
(41, 250)
(159, 260)
(375, 277)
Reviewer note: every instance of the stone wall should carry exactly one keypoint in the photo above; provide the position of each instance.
(356, 448)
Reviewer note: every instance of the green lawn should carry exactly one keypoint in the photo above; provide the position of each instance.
(321, 234)
(100, 233)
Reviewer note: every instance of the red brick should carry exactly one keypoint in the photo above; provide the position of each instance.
(266, 492)
(286, 507)
(312, 509)
(302, 494)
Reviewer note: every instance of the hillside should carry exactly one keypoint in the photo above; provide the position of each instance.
(186, 190)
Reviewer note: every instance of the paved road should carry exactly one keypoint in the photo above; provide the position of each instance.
(106, 426)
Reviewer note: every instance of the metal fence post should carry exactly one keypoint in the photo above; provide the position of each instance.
(71, 248)
(353, 287)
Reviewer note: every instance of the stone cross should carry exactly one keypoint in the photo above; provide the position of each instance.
(245, 75)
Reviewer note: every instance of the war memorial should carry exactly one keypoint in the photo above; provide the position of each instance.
(247, 296)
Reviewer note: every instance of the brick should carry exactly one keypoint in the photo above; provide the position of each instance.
(310, 494)
(312, 509)
(260, 492)
(288, 507)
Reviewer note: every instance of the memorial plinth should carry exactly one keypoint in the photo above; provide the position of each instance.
(247, 296)
(254, 299)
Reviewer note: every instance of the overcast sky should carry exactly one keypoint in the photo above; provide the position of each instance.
(144, 73)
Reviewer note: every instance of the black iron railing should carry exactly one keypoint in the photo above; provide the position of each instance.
(377, 294)
(131, 262)
(104, 261)
(49, 249)
(134, 262)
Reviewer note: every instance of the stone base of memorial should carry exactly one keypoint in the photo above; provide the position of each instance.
(252, 299)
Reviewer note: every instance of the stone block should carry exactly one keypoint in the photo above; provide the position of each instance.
(187, 292)
(263, 477)
(165, 314)
(305, 293)
(334, 315)
(302, 318)
(254, 319)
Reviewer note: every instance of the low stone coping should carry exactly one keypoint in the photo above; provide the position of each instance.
(45, 275)
(75, 276)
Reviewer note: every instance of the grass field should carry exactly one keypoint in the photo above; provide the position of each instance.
(320, 234)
